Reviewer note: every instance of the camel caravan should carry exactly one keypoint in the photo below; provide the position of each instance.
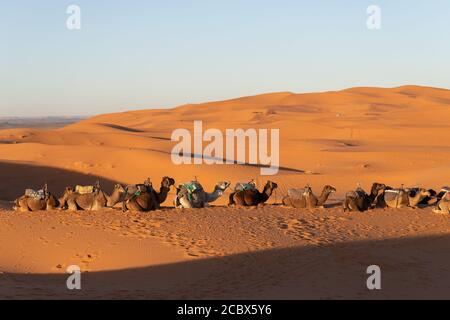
(191, 195)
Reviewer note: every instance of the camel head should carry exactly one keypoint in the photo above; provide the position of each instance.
(119, 188)
(377, 187)
(271, 185)
(308, 190)
(329, 189)
(167, 182)
(148, 183)
(67, 192)
(223, 185)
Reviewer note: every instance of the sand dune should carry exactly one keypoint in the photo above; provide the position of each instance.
(360, 135)
(355, 135)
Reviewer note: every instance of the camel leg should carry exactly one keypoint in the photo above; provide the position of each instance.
(287, 201)
(231, 201)
(346, 206)
(133, 206)
(23, 209)
(72, 205)
(23, 206)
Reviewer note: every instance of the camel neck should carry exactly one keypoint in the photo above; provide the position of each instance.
(163, 193)
(323, 197)
(114, 198)
(267, 192)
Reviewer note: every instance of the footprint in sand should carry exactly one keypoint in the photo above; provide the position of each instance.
(85, 260)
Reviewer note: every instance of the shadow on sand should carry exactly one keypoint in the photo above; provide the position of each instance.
(16, 177)
(411, 268)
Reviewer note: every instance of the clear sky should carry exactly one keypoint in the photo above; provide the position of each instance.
(137, 54)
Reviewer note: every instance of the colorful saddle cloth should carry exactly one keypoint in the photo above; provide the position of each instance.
(245, 186)
(190, 188)
(35, 194)
(84, 189)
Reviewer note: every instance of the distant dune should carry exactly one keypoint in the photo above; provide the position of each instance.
(357, 135)
(37, 122)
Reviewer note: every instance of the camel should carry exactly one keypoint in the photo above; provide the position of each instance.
(400, 198)
(96, 200)
(164, 190)
(443, 206)
(143, 197)
(192, 195)
(252, 197)
(43, 200)
(305, 198)
(359, 200)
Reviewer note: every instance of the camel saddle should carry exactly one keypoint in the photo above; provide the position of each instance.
(397, 191)
(85, 189)
(297, 193)
(244, 186)
(191, 187)
(35, 194)
(136, 189)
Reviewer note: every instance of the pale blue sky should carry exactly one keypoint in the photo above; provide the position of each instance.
(150, 54)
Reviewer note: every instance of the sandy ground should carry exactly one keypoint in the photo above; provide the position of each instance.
(221, 253)
(362, 135)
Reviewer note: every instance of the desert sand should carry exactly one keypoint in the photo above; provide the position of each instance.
(361, 135)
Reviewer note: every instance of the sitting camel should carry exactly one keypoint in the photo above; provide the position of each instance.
(36, 201)
(252, 197)
(95, 200)
(143, 197)
(359, 200)
(400, 198)
(443, 206)
(305, 198)
(192, 195)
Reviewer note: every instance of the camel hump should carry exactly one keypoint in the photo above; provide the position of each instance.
(240, 186)
(35, 194)
(296, 193)
(84, 189)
